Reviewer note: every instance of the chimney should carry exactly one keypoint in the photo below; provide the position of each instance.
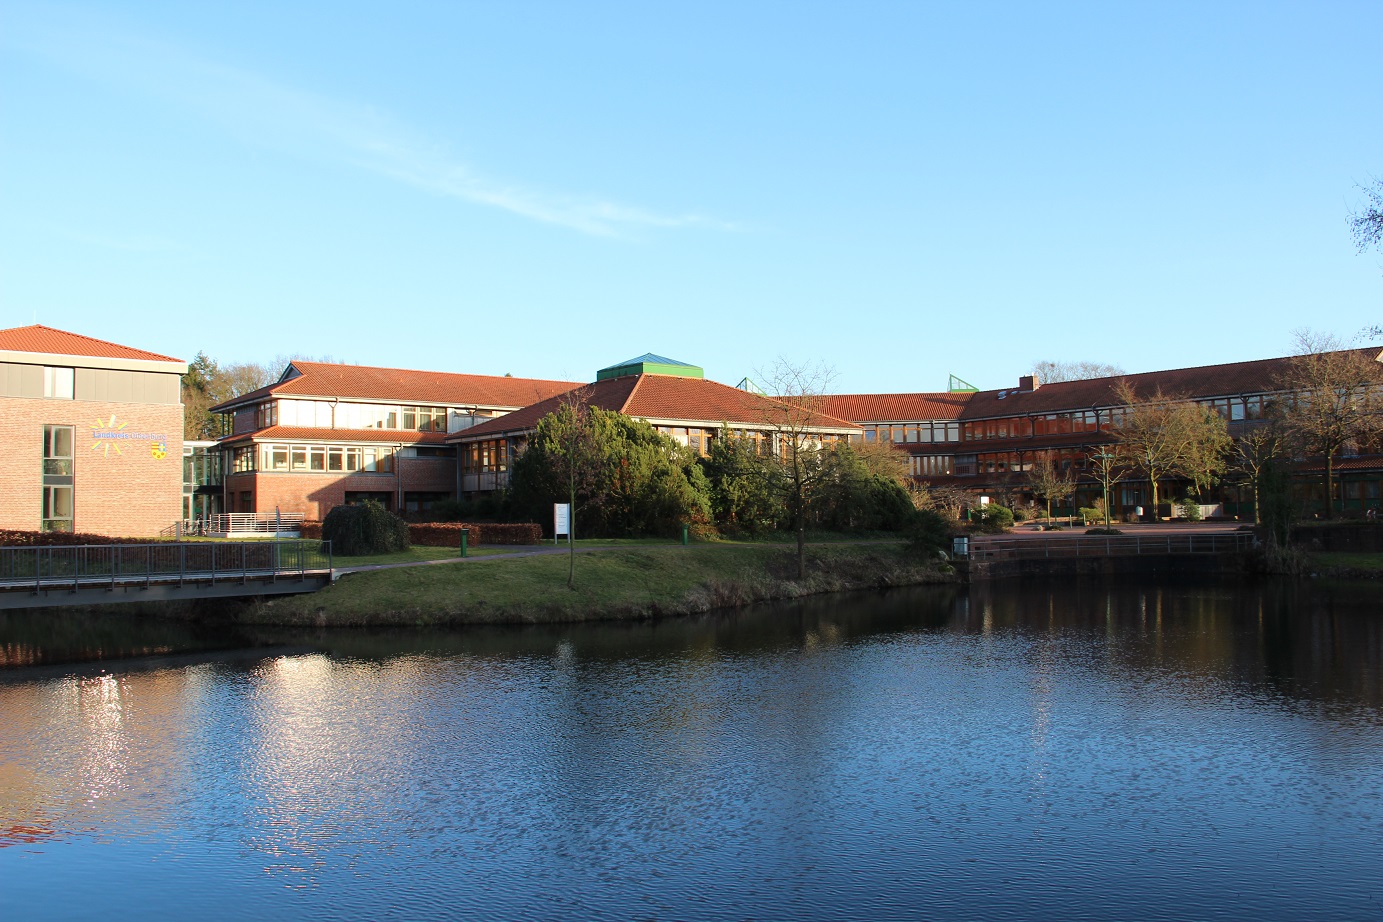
(1029, 383)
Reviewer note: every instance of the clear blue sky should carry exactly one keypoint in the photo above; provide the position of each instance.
(899, 190)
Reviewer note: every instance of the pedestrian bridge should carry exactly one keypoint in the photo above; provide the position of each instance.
(100, 574)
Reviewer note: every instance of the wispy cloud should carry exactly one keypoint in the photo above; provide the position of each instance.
(268, 113)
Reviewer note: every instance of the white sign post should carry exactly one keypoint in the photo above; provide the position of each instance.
(561, 521)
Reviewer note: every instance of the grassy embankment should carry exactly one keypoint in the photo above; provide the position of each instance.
(1349, 564)
(626, 582)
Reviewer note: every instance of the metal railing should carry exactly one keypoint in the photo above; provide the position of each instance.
(253, 523)
(1110, 545)
(95, 565)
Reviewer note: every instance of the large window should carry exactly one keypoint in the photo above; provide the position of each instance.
(331, 459)
(485, 457)
(932, 465)
(58, 461)
(425, 419)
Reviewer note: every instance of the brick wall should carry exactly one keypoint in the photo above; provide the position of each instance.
(314, 495)
(120, 488)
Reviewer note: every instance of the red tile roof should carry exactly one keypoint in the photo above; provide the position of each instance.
(658, 397)
(895, 408)
(309, 434)
(364, 382)
(38, 338)
(1256, 377)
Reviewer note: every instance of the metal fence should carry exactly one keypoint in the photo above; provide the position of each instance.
(252, 523)
(1111, 545)
(168, 562)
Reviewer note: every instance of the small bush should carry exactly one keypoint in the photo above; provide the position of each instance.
(991, 518)
(1091, 514)
(1191, 509)
(1103, 531)
(365, 529)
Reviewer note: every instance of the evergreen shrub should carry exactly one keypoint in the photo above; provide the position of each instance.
(930, 532)
(368, 528)
(991, 518)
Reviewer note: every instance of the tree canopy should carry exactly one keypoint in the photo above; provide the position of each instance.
(1333, 401)
(1163, 436)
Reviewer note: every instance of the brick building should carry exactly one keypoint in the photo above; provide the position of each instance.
(674, 397)
(326, 434)
(93, 432)
(986, 442)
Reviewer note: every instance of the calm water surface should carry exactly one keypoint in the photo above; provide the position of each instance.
(1091, 751)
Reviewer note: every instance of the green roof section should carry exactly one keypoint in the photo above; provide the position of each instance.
(650, 364)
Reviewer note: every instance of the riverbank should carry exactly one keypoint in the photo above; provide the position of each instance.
(624, 583)
(1347, 565)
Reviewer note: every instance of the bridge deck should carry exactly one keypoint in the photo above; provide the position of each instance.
(99, 574)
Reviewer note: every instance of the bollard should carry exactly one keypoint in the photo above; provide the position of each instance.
(685, 531)
(465, 534)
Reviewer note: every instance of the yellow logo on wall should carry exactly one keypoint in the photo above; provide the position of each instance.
(108, 434)
(105, 433)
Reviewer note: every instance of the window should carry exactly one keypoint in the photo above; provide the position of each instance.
(932, 465)
(57, 450)
(57, 383)
(266, 415)
(243, 459)
(486, 457)
(421, 501)
(377, 460)
(425, 419)
(57, 478)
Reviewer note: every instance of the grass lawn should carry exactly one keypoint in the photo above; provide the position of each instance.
(631, 582)
(417, 554)
(1356, 560)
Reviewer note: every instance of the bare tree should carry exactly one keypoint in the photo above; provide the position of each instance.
(1108, 466)
(945, 499)
(1049, 372)
(1048, 480)
(1163, 436)
(1334, 400)
(1367, 223)
(793, 417)
(1253, 452)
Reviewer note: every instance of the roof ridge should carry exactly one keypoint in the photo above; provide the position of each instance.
(629, 397)
(423, 371)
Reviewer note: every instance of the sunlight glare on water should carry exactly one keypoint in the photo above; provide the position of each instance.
(1076, 752)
